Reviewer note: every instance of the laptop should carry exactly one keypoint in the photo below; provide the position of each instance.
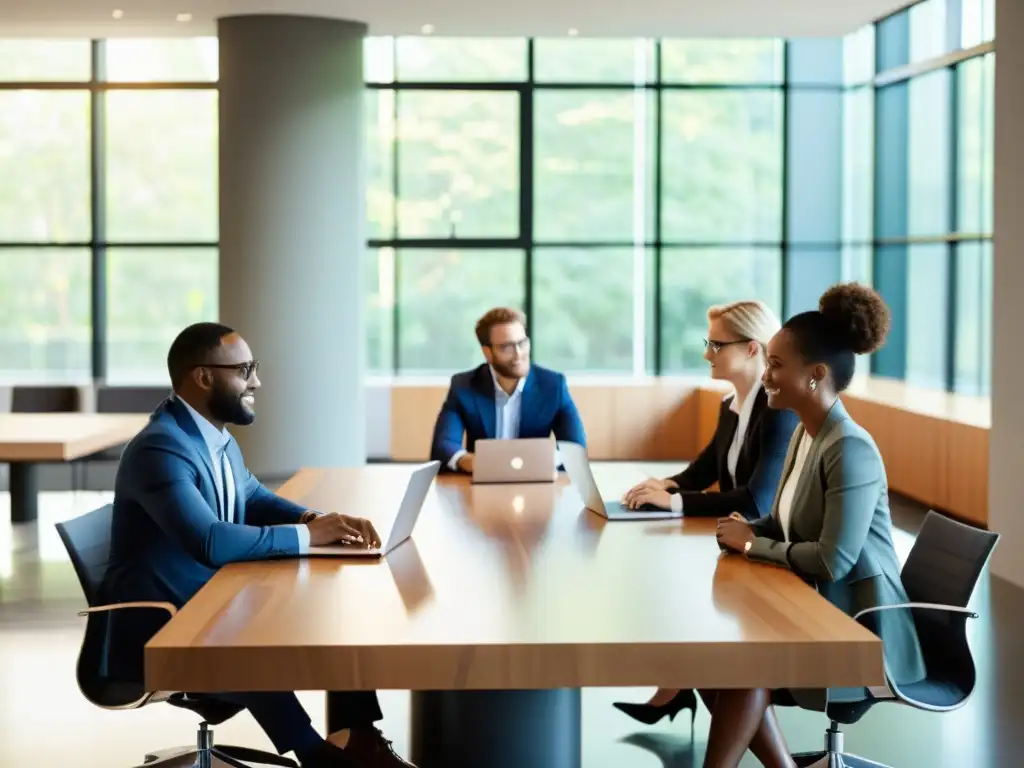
(524, 460)
(408, 513)
(577, 467)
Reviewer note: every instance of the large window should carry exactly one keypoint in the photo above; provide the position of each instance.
(44, 314)
(918, 151)
(161, 156)
(722, 166)
(441, 293)
(152, 293)
(694, 279)
(108, 174)
(44, 166)
(613, 189)
(458, 164)
(594, 166)
(588, 303)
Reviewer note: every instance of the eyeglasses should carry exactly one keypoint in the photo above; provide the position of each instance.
(716, 346)
(246, 369)
(508, 346)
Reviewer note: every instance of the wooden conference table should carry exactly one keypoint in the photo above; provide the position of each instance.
(507, 600)
(30, 439)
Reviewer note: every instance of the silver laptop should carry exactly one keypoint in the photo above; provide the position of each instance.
(524, 460)
(577, 467)
(405, 520)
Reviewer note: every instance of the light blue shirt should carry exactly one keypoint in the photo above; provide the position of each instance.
(216, 443)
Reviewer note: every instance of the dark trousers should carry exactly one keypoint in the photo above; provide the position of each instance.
(287, 724)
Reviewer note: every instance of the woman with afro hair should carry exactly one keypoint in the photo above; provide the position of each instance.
(830, 521)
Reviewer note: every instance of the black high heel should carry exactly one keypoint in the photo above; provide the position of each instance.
(649, 714)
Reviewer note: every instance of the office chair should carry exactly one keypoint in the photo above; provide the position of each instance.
(939, 576)
(87, 540)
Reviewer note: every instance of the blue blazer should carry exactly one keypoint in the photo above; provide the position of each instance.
(469, 410)
(166, 538)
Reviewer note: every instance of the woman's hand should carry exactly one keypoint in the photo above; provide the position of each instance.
(650, 484)
(733, 533)
(654, 496)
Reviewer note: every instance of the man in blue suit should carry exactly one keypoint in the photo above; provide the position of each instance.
(505, 398)
(185, 504)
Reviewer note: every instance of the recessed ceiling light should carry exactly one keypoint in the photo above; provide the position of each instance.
(184, 17)
(427, 29)
(573, 32)
(118, 14)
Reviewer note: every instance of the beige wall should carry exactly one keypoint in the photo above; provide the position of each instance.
(1006, 441)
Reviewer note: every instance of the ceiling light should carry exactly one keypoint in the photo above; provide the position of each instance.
(184, 17)
(428, 29)
(573, 32)
(118, 13)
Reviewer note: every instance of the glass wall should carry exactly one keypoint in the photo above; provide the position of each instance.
(613, 189)
(918, 186)
(108, 204)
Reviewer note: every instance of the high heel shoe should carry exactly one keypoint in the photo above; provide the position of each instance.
(649, 714)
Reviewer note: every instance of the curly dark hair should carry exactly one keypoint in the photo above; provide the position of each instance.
(851, 319)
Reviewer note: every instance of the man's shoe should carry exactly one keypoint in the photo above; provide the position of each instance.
(371, 750)
(327, 755)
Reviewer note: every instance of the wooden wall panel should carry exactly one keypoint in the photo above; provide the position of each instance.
(967, 472)
(414, 410)
(596, 405)
(648, 420)
(935, 446)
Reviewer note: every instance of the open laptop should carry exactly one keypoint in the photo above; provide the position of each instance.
(405, 520)
(524, 460)
(577, 467)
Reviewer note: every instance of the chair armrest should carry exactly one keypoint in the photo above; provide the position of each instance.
(928, 606)
(118, 606)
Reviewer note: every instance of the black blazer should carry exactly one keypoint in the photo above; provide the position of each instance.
(758, 467)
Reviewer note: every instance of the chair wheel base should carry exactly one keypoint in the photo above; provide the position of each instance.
(224, 756)
(833, 760)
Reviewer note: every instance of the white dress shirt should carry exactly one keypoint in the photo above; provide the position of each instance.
(217, 441)
(789, 489)
(732, 458)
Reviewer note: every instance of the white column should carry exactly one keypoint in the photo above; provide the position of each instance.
(1006, 442)
(292, 233)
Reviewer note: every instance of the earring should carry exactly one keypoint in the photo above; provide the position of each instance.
(813, 385)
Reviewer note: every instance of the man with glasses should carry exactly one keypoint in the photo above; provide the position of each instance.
(505, 398)
(185, 505)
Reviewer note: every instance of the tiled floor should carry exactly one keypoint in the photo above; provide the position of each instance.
(44, 721)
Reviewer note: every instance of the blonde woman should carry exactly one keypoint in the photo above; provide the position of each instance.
(745, 457)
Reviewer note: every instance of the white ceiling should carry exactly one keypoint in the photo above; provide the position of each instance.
(534, 18)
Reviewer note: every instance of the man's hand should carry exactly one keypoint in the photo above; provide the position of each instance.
(367, 532)
(333, 528)
(465, 463)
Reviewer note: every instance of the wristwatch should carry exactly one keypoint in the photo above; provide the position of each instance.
(747, 546)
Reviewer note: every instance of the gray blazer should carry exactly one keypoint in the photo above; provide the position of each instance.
(840, 542)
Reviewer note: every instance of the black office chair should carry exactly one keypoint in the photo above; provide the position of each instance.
(87, 540)
(939, 576)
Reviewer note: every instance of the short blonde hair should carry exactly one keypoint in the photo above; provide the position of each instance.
(749, 319)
